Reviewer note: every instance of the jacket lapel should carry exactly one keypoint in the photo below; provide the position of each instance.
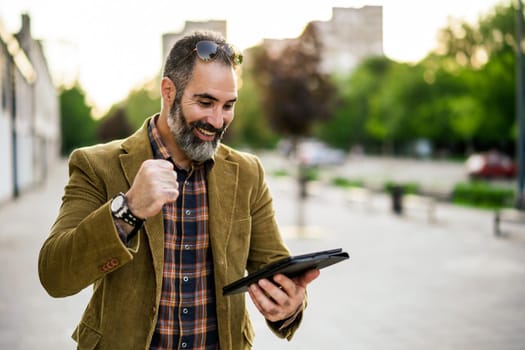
(222, 194)
(137, 149)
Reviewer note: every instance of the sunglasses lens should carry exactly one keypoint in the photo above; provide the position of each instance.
(233, 54)
(207, 49)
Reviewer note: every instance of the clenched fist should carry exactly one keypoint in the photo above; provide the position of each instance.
(154, 185)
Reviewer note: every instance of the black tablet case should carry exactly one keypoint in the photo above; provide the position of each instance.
(290, 266)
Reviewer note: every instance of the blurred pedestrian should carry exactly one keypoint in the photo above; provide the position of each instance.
(161, 221)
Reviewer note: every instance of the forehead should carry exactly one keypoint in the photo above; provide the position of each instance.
(213, 78)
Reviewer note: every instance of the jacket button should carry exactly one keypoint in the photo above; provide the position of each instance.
(110, 264)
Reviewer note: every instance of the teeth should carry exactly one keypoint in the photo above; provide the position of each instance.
(206, 132)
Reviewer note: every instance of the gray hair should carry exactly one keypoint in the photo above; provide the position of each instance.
(181, 59)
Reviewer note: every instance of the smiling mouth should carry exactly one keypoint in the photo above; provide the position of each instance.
(206, 132)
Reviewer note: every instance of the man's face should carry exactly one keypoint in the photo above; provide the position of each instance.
(198, 121)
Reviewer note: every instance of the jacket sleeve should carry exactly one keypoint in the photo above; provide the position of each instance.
(268, 245)
(83, 244)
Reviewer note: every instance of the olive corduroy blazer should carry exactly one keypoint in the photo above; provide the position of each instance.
(84, 248)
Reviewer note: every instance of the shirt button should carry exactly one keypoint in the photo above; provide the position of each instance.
(187, 246)
(185, 279)
(185, 311)
(184, 345)
(188, 212)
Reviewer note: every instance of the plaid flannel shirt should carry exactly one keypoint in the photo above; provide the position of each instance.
(187, 315)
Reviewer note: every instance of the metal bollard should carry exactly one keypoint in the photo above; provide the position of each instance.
(397, 199)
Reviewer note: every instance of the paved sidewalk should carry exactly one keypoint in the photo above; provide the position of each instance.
(29, 318)
(409, 284)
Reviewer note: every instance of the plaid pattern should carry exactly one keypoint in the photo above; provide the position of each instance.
(187, 317)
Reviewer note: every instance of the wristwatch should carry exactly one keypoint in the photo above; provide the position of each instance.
(120, 210)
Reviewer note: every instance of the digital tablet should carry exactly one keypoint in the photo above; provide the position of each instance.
(290, 266)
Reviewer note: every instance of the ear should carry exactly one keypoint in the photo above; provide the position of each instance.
(167, 90)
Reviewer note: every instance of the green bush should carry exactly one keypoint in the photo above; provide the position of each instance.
(280, 173)
(482, 194)
(345, 182)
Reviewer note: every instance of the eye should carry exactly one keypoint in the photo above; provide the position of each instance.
(228, 106)
(205, 103)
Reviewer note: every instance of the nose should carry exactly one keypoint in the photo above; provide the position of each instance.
(216, 118)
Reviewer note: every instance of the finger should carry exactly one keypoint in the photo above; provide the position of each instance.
(263, 296)
(275, 291)
(171, 194)
(307, 277)
(251, 292)
(264, 304)
(285, 283)
(162, 163)
(277, 304)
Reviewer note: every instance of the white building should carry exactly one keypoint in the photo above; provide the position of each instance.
(29, 113)
(350, 36)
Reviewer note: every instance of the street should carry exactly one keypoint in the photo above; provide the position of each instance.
(409, 283)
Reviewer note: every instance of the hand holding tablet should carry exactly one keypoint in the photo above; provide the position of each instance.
(290, 266)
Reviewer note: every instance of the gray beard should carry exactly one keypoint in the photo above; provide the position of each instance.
(194, 148)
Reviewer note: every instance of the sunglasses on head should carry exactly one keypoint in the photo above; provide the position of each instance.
(207, 50)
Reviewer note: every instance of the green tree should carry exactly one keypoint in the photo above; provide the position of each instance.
(482, 57)
(250, 128)
(347, 126)
(76, 122)
(114, 126)
(143, 102)
(295, 94)
(459, 97)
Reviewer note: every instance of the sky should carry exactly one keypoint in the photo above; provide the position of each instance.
(112, 46)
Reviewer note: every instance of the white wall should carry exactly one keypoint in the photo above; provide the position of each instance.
(6, 150)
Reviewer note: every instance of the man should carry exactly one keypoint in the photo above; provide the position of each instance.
(161, 221)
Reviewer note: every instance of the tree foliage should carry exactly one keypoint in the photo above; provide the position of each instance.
(76, 122)
(295, 93)
(460, 97)
(143, 102)
(250, 128)
(114, 126)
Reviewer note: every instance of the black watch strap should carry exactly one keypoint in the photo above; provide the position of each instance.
(123, 212)
(131, 219)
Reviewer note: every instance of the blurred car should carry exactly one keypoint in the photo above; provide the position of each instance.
(316, 153)
(490, 165)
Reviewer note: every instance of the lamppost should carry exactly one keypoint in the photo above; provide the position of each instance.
(520, 200)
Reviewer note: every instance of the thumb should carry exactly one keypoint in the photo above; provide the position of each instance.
(307, 277)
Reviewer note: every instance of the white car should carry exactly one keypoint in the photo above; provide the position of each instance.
(316, 153)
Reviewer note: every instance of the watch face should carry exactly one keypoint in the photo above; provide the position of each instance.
(117, 203)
